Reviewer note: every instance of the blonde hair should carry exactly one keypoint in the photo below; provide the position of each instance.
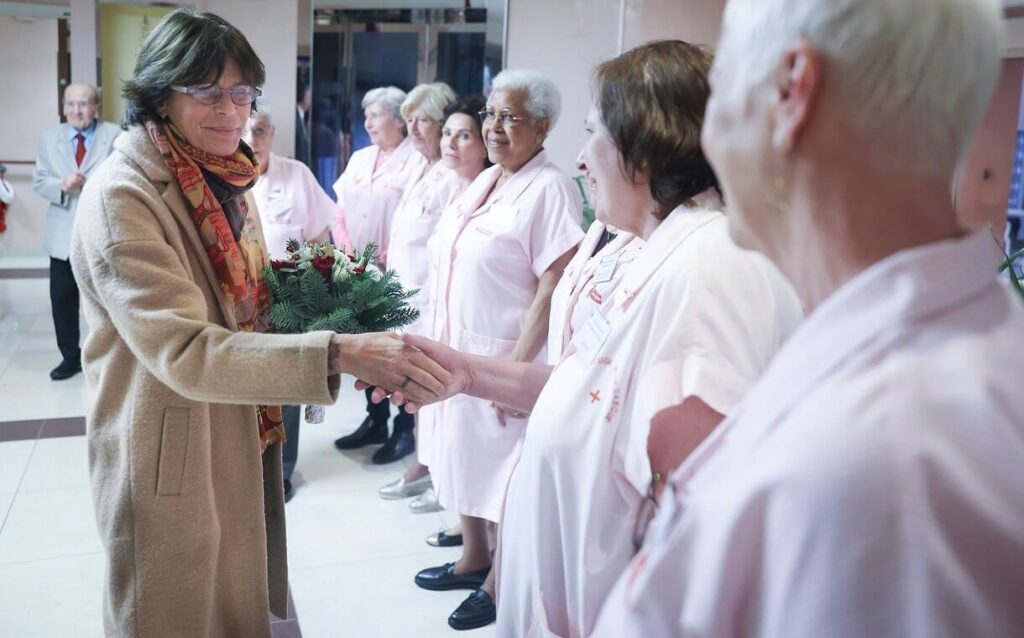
(433, 98)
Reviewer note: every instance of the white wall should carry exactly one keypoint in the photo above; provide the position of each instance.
(29, 52)
(272, 28)
(566, 39)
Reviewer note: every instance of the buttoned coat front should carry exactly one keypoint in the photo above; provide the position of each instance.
(191, 517)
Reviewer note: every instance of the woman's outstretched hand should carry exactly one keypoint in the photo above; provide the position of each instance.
(458, 377)
(386, 361)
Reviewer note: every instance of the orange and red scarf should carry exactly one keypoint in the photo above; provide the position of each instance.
(238, 263)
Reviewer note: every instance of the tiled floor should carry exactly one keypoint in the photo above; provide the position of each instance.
(352, 555)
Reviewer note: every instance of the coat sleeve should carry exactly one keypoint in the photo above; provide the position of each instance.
(162, 315)
(45, 182)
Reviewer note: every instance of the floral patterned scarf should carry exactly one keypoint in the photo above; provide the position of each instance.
(215, 187)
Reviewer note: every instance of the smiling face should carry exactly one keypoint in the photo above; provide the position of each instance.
(81, 105)
(217, 128)
(618, 201)
(425, 132)
(462, 150)
(382, 127)
(513, 145)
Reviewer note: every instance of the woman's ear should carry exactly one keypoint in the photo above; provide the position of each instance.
(798, 82)
(542, 130)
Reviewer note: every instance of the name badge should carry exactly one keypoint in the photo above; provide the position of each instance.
(606, 269)
(589, 340)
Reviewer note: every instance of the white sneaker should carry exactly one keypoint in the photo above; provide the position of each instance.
(399, 489)
(425, 503)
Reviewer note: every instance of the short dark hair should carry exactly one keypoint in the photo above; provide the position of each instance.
(470, 105)
(185, 48)
(652, 101)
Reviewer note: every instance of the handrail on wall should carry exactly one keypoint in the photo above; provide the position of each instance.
(29, 162)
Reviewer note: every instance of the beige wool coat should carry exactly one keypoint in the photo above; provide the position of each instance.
(191, 517)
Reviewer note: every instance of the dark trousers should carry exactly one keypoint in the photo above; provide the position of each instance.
(290, 451)
(379, 412)
(64, 301)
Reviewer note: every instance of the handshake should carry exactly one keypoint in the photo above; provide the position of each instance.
(412, 370)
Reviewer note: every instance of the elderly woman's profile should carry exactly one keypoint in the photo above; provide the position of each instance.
(184, 435)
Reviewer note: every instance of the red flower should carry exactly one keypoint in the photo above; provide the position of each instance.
(324, 265)
(281, 263)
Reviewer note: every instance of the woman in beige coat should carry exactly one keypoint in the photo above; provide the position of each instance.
(184, 436)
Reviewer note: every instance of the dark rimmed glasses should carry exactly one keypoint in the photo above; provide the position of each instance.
(241, 95)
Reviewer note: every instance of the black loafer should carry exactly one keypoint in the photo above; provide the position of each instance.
(401, 444)
(444, 578)
(442, 539)
(477, 610)
(289, 492)
(65, 370)
(369, 432)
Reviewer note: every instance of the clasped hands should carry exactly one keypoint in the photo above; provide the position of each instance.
(412, 370)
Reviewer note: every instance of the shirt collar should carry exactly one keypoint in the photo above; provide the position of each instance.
(87, 132)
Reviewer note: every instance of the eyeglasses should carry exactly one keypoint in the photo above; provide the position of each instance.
(241, 95)
(487, 116)
(645, 514)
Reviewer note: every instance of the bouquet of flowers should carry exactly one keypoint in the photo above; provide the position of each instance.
(321, 288)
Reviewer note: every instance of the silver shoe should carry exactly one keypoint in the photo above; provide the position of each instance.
(425, 503)
(399, 489)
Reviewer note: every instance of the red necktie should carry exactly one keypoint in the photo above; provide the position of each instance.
(79, 149)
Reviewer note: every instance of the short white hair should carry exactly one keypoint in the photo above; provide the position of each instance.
(433, 98)
(543, 101)
(925, 69)
(263, 108)
(390, 97)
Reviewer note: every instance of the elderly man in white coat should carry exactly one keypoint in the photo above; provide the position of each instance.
(67, 155)
(872, 483)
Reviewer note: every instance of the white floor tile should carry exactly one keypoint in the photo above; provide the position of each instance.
(333, 528)
(6, 498)
(51, 524)
(59, 463)
(53, 598)
(14, 457)
(29, 393)
(376, 599)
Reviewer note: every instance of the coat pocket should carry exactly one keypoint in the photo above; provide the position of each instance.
(173, 452)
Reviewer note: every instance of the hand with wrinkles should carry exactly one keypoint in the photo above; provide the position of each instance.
(458, 379)
(385, 361)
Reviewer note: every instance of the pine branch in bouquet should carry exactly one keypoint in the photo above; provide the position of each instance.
(321, 288)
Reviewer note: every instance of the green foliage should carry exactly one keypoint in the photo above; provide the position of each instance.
(588, 208)
(363, 300)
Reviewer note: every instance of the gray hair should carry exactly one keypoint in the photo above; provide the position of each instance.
(433, 98)
(543, 101)
(186, 47)
(923, 70)
(390, 97)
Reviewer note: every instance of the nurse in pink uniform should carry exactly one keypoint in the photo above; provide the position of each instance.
(377, 176)
(463, 156)
(872, 483)
(691, 325)
(413, 224)
(498, 253)
(368, 192)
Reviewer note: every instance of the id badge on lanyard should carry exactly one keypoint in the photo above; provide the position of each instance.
(591, 338)
(606, 269)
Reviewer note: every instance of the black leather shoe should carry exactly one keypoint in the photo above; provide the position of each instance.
(401, 444)
(476, 611)
(368, 433)
(289, 492)
(442, 539)
(65, 370)
(444, 578)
